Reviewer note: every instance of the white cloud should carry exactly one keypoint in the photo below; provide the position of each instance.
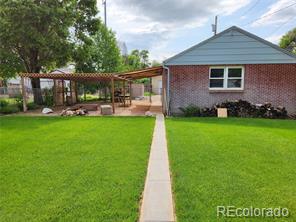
(278, 17)
(150, 24)
(275, 39)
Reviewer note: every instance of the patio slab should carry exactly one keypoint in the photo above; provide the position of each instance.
(138, 108)
(157, 204)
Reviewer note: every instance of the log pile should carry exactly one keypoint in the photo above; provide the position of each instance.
(241, 108)
(208, 112)
(74, 112)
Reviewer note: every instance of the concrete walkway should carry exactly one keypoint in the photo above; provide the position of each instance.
(157, 205)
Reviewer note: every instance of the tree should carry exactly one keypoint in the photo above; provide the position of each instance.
(144, 55)
(101, 55)
(288, 41)
(134, 60)
(40, 34)
(137, 60)
(9, 64)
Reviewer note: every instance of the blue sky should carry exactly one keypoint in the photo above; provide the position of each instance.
(167, 27)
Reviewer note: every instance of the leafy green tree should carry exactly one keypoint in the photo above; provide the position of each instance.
(10, 64)
(101, 55)
(137, 60)
(134, 60)
(40, 35)
(288, 41)
(144, 55)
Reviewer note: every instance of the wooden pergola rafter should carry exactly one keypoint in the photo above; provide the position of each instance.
(143, 73)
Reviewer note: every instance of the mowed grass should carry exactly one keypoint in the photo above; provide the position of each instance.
(73, 169)
(232, 162)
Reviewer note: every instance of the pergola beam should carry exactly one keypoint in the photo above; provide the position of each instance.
(127, 76)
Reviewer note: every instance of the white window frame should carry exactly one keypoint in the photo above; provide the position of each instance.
(225, 78)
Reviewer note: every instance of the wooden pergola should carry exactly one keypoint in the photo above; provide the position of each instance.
(93, 77)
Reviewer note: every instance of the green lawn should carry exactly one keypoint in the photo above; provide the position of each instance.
(73, 169)
(239, 162)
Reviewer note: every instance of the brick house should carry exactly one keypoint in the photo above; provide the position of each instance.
(231, 65)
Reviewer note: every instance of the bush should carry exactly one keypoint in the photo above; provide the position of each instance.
(11, 108)
(3, 103)
(19, 101)
(48, 97)
(32, 106)
(190, 110)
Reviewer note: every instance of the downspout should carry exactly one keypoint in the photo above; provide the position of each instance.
(167, 89)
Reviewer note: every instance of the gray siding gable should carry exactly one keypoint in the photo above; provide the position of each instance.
(233, 46)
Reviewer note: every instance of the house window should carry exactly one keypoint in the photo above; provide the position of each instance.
(228, 77)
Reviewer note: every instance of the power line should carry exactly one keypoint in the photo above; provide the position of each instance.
(253, 6)
(270, 14)
(282, 25)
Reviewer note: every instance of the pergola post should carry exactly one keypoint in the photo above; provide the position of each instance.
(71, 102)
(63, 91)
(24, 93)
(112, 89)
(150, 89)
(54, 92)
(123, 93)
(130, 92)
(84, 92)
(76, 91)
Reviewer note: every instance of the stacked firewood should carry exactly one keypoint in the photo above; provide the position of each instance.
(74, 112)
(208, 112)
(241, 108)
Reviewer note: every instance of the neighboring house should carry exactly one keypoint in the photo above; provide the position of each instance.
(231, 65)
(157, 85)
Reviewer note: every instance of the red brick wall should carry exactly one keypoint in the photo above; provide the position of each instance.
(274, 83)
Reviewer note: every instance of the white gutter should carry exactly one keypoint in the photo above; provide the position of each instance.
(167, 89)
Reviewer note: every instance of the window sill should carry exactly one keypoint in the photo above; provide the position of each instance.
(226, 90)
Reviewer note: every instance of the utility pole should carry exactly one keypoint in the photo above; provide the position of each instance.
(214, 26)
(105, 11)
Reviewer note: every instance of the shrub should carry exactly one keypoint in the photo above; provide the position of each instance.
(48, 97)
(3, 103)
(19, 101)
(190, 110)
(32, 106)
(11, 108)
